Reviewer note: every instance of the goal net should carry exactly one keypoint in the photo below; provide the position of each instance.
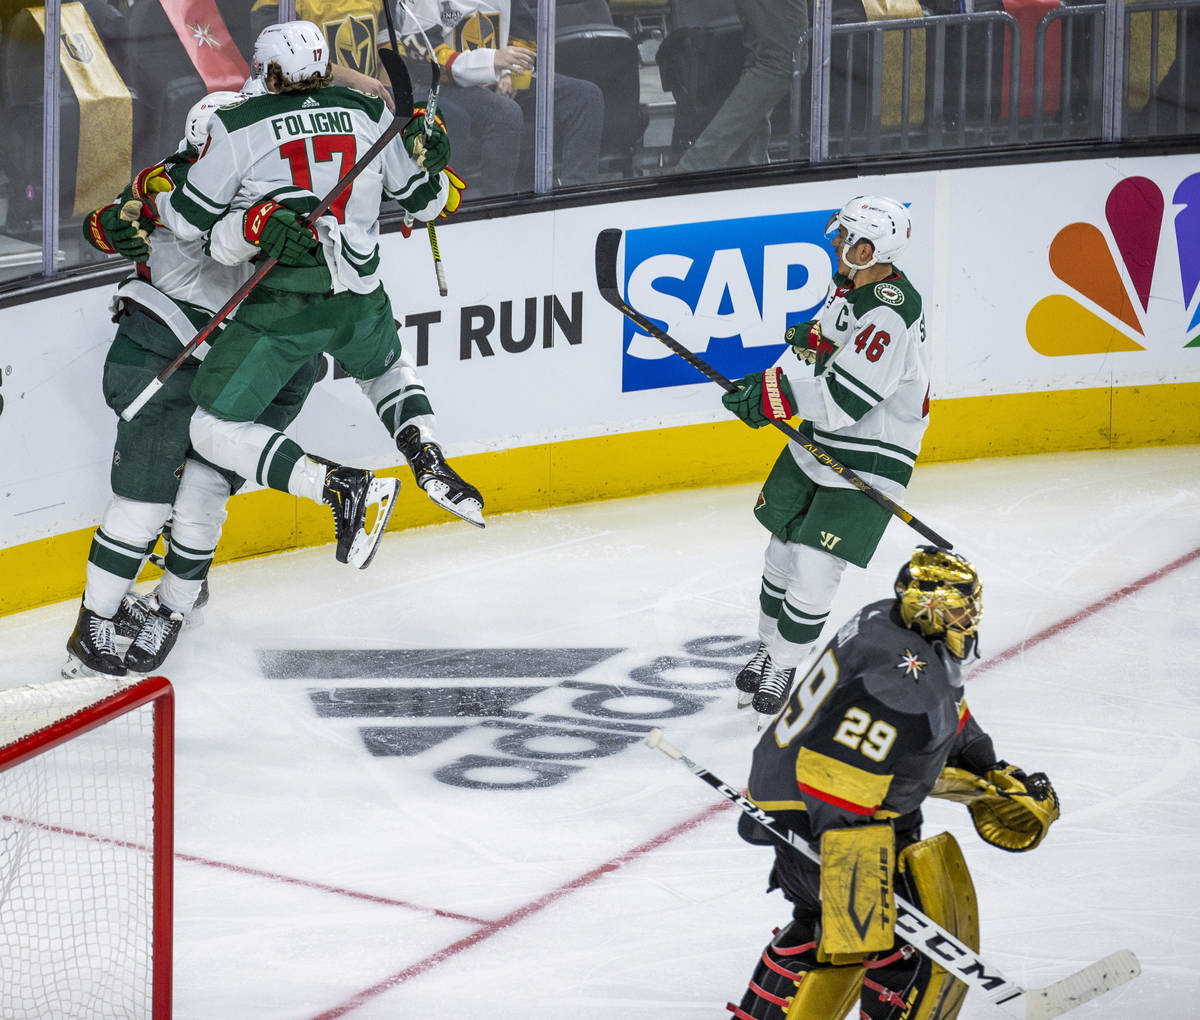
(86, 829)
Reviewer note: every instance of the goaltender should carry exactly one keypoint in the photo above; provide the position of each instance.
(876, 726)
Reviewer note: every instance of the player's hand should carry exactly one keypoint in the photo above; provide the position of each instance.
(431, 152)
(145, 189)
(280, 234)
(454, 195)
(107, 230)
(762, 397)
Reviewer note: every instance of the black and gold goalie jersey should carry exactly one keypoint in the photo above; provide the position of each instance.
(866, 730)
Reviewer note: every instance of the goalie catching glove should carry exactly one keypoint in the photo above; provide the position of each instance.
(1010, 809)
(280, 234)
(762, 397)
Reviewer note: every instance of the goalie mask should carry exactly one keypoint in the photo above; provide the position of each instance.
(196, 130)
(298, 47)
(882, 221)
(939, 594)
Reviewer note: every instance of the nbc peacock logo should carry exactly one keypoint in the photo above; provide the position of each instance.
(1114, 307)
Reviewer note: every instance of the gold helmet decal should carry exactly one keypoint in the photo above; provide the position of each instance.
(353, 43)
(939, 594)
(481, 31)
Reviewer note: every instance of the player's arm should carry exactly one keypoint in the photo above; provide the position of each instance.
(413, 168)
(202, 197)
(860, 375)
(1010, 809)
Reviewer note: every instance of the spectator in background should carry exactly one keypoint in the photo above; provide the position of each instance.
(738, 133)
(487, 96)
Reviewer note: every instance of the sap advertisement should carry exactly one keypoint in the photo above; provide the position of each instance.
(1035, 278)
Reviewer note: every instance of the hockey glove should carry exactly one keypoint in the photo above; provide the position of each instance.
(145, 189)
(431, 153)
(454, 196)
(110, 232)
(1010, 810)
(280, 234)
(808, 343)
(762, 397)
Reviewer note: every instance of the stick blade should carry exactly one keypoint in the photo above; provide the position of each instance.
(1082, 986)
(608, 243)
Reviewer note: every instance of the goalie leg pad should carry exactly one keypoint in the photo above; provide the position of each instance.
(858, 908)
(907, 984)
(788, 981)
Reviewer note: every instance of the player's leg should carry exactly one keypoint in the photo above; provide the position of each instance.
(258, 354)
(147, 456)
(933, 875)
(400, 401)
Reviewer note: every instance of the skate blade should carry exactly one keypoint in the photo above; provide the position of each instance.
(382, 495)
(744, 700)
(75, 669)
(470, 510)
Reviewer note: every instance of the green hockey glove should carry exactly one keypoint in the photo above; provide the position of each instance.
(431, 153)
(107, 230)
(280, 233)
(762, 397)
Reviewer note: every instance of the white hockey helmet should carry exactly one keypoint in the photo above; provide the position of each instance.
(298, 47)
(882, 221)
(196, 126)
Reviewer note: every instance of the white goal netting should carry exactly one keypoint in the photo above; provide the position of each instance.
(77, 850)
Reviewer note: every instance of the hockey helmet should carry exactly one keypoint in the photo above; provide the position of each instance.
(939, 594)
(882, 221)
(196, 129)
(299, 49)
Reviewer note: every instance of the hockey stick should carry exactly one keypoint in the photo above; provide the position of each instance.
(268, 264)
(607, 244)
(390, 60)
(939, 945)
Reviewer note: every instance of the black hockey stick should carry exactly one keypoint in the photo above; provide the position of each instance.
(394, 64)
(938, 944)
(268, 264)
(607, 244)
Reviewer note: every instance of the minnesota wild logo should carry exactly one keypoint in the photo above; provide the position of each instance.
(1110, 273)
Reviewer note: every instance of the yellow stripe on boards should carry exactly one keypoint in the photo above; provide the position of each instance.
(633, 463)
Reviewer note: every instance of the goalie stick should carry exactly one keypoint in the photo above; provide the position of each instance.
(939, 945)
(607, 244)
(403, 114)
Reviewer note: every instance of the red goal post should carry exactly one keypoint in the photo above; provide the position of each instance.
(87, 848)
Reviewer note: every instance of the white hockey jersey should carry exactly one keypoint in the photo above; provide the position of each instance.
(294, 148)
(866, 404)
(465, 35)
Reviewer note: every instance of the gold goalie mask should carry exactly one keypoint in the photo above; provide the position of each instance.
(940, 595)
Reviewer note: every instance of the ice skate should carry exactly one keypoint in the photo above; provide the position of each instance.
(154, 641)
(350, 493)
(92, 648)
(440, 481)
(132, 613)
(748, 679)
(194, 617)
(773, 690)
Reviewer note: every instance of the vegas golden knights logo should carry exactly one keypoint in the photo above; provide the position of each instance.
(353, 43)
(77, 47)
(481, 31)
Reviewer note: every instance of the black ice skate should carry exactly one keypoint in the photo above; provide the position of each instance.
(350, 493)
(773, 689)
(132, 613)
(154, 641)
(747, 680)
(92, 648)
(440, 481)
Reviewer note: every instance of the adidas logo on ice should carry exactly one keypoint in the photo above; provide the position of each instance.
(309, 102)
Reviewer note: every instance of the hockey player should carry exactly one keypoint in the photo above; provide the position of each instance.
(267, 160)
(174, 293)
(866, 401)
(876, 725)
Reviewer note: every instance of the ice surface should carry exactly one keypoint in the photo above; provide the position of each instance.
(332, 863)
